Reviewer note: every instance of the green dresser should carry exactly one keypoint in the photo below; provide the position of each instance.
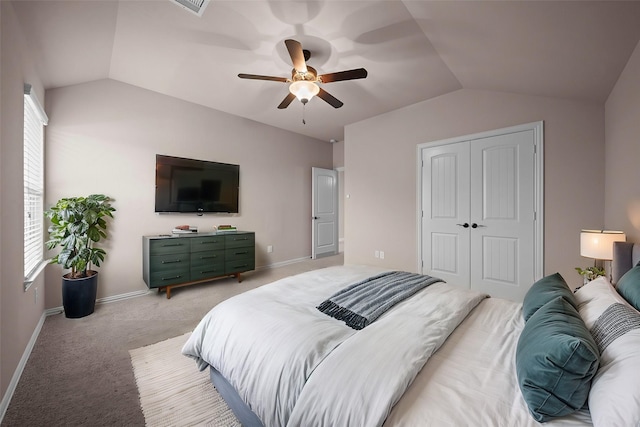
(172, 261)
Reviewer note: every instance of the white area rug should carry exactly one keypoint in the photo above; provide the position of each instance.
(172, 390)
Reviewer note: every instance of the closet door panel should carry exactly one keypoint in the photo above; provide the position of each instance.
(445, 198)
(502, 209)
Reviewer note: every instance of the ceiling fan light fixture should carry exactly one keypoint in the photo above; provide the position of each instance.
(304, 90)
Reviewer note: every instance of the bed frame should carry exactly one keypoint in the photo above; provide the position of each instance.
(240, 409)
(625, 256)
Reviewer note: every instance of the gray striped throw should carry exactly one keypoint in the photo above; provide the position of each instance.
(361, 303)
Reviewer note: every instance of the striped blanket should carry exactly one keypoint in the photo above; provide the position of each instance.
(363, 302)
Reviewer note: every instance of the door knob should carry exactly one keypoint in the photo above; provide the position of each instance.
(315, 217)
(465, 225)
(474, 225)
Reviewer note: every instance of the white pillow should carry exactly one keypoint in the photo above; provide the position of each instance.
(614, 399)
(594, 298)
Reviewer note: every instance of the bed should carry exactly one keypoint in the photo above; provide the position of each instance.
(444, 356)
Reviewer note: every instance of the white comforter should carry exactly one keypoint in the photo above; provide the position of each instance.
(296, 366)
(471, 380)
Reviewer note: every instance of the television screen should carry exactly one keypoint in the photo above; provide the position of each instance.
(187, 185)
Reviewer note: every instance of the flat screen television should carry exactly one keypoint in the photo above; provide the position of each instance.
(196, 186)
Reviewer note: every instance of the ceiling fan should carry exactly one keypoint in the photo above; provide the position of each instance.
(304, 79)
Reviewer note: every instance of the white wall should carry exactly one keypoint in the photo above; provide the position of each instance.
(103, 137)
(622, 185)
(380, 160)
(20, 312)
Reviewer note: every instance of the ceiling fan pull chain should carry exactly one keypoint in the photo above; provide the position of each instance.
(303, 110)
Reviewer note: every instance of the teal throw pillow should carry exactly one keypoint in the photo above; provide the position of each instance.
(556, 359)
(629, 286)
(545, 290)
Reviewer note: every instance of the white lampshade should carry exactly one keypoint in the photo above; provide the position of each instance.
(304, 90)
(598, 244)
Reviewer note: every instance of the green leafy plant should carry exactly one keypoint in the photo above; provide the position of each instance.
(590, 273)
(77, 223)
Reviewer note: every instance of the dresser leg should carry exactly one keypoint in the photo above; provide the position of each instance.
(168, 292)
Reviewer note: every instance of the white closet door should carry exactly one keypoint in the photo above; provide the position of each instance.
(445, 211)
(502, 214)
(478, 213)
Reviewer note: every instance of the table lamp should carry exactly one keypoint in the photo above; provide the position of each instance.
(598, 244)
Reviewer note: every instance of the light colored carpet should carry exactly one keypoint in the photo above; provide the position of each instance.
(79, 372)
(172, 390)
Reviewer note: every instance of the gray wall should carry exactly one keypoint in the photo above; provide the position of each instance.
(622, 188)
(20, 312)
(380, 160)
(103, 137)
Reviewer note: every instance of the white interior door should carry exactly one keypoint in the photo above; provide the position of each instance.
(445, 211)
(502, 214)
(479, 227)
(324, 208)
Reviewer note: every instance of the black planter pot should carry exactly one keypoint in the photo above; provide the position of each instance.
(79, 295)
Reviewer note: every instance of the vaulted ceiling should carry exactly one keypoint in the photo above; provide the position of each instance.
(412, 50)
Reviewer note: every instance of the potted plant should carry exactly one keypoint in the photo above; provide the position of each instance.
(590, 273)
(77, 224)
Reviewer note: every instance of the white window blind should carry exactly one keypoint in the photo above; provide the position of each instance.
(34, 121)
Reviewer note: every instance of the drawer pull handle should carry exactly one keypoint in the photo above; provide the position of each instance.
(171, 278)
(171, 262)
(208, 243)
(241, 238)
(173, 244)
(207, 257)
(242, 253)
(208, 271)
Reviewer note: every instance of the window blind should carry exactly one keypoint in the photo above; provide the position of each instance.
(34, 121)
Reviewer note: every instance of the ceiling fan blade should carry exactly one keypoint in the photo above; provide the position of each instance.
(297, 56)
(286, 101)
(330, 99)
(257, 77)
(358, 73)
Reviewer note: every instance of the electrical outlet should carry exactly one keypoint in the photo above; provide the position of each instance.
(381, 255)
(377, 254)
(270, 248)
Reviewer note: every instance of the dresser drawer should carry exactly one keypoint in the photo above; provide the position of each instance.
(239, 254)
(207, 243)
(169, 277)
(168, 246)
(207, 258)
(207, 271)
(240, 266)
(239, 240)
(169, 262)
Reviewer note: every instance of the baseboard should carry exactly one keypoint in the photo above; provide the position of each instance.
(121, 297)
(4, 405)
(53, 311)
(283, 263)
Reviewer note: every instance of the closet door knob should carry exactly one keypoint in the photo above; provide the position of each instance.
(465, 225)
(474, 225)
